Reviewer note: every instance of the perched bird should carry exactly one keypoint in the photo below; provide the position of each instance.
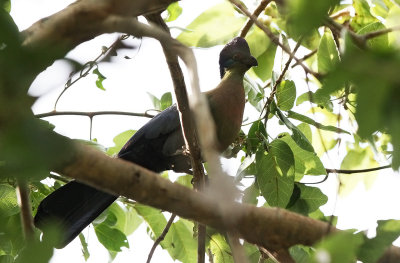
(157, 146)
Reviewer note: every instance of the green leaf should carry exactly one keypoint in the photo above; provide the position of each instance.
(275, 173)
(166, 100)
(339, 247)
(84, 244)
(363, 17)
(301, 254)
(265, 63)
(120, 141)
(184, 246)
(8, 201)
(386, 232)
(300, 139)
(255, 136)
(250, 194)
(305, 119)
(328, 55)
(252, 252)
(205, 30)
(185, 180)
(111, 238)
(153, 217)
(220, 249)
(306, 15)
(100, 78)
(6, 259)
(306, 162)
(156, 102)
(380, 42)
(286, 94)
(357, 159)
(5, 5)
(323, 100)
(254, 92)
(309, 200)
(174, 11)
(258, 41)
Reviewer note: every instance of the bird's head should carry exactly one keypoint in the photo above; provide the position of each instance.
(236, 53)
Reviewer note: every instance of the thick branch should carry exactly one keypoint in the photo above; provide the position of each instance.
(272, 228)
(51, 38)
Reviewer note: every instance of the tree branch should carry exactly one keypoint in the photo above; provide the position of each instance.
(256, 13)
(339, 171)
(272, 228)
(92, 114)
(26, 209)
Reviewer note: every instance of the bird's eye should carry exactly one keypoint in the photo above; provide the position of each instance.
(236, 56)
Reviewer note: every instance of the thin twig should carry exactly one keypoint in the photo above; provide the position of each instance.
(161, 237)
(279, 80)
(340, 171)
(92, 114)
(256, 13)
(87, 67)
(273, 38)
(380, 32)
(265, 254)
(26, 209)
(312, 53)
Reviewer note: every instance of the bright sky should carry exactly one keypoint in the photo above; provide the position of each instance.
(126, 86)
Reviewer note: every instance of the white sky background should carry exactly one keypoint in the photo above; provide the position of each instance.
(126, 86)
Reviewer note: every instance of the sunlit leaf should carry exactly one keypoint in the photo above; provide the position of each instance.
(309, 200)
(184, 245)
(328, 55)
(111, 238)
(357, 159)
(100, 78)
(8, 201)
(306, 15)
(386, 232)
(339, 247)
(380, 42)
(306, 162)
(220, 249)
(275, 173)
(120, 141)
(303, 118)
(205, 30)
(286, 95)
(166, 100)
(174, 11)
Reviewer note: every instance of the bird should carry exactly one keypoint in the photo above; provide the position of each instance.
(157, 146)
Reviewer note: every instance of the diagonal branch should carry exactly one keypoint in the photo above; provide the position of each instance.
(272, 228)
(256, 13)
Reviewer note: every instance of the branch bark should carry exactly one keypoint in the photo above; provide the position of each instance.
(272, 228)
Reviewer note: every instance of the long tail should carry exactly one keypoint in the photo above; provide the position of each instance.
(72, 207)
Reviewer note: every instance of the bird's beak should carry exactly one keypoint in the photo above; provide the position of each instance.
(250, 61)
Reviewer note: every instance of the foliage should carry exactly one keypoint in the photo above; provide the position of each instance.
(349, 97)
